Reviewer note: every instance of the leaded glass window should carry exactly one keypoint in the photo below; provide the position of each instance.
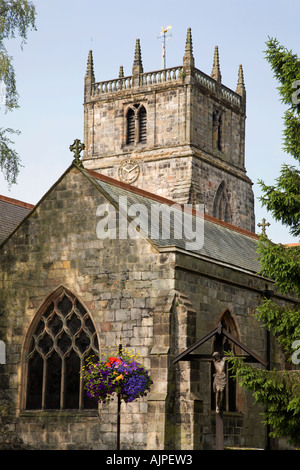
(63, 338)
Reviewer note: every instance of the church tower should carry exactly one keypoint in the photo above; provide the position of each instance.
(175, 132)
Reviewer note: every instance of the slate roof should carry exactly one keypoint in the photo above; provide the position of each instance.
(12, 212)
(222, 242)
(218, 240)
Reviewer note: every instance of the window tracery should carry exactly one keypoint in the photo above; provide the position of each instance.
(63, 337)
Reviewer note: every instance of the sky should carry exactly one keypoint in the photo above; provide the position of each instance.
(51, 67)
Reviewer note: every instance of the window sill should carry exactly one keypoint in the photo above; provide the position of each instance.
(134, 146)
(229, 414)
(60, 413)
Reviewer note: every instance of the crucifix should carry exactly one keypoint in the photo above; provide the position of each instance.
(219, 378)
(264, 224)
(217, 357)
(76, 148)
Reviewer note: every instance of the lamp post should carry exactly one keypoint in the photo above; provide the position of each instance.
(119, 407)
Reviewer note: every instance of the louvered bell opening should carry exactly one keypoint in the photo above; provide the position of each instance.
(143, 125)
(130, 127)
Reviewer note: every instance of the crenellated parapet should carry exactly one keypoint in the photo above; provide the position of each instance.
(182, 128)
(156, 77)
(180, 75)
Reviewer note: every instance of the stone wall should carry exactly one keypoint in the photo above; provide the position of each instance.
(174, 404)
(179, 173)
(209, 173)
(105, 121)
(116, 280)
(158, 302)
(178, 161)
(213, 289)
(203, 106)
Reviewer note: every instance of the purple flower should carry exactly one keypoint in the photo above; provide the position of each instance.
(105, 378)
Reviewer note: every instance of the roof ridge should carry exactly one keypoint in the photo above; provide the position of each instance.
(16, 202)
(155, 197)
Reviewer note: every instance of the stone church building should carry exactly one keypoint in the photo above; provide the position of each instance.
(111, 251)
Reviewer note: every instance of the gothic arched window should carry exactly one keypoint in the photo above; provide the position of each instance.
(230, 400)
(222, 209)
(62, 336)
(136, 122)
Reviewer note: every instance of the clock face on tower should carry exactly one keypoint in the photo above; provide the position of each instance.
(129, 171)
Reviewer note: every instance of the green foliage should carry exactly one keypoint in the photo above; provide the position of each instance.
(286, 68)
(16, 17)
(283, 198)
(281, 263)
(278, 391)
(284, 323)
(291, 134)
(9, 159)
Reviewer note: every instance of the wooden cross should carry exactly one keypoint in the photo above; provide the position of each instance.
(76, 148)
(264, 224)
(220, 333)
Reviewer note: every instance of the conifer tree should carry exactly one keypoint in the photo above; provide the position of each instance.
(16, 17)
(279, 391)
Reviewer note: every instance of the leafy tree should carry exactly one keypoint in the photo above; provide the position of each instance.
(280, 390)
(16, 17)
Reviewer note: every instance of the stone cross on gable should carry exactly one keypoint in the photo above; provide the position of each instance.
(264, 224)
(76, 148)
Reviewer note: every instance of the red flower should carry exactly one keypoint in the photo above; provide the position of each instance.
(114, 359)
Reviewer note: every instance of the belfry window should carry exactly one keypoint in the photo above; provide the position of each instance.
(63, 337)
(142, 125)
(130, 127)
(136, 125)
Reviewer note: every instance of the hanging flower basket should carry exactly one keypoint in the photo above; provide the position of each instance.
(120, 374)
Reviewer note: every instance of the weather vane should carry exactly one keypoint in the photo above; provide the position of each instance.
(164, 35)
